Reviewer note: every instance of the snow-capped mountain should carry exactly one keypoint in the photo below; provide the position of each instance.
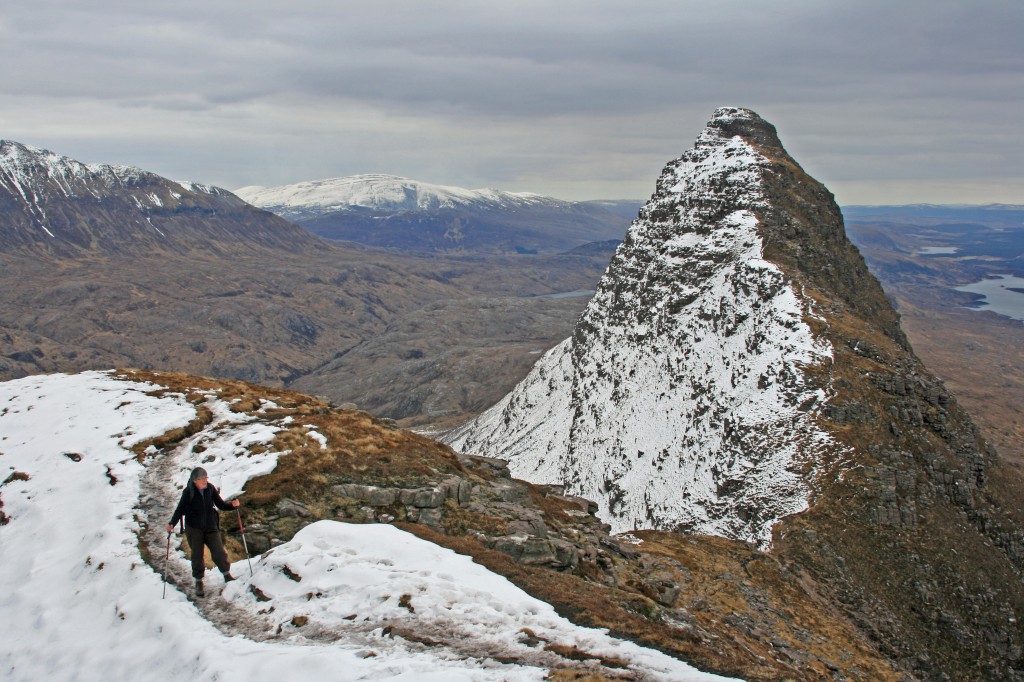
(391, 211)
(56, 204)
(740, 373)
(383, 193)
(681, 399)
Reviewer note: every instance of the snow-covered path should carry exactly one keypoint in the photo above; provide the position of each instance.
(161, 486)
(79, 602)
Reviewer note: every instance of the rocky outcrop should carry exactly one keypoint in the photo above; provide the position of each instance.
(498, 511)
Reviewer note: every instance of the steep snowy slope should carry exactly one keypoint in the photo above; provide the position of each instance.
(80, 496)
(680, 401)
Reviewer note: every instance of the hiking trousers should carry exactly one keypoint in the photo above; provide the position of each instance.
(197, 539)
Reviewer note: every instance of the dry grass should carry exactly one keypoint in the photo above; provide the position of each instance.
(722, 581)
(360, 449)
(714, 564)
(768, 610)
(15, 476)
(457, 520)
(574, 653)
(567, 675)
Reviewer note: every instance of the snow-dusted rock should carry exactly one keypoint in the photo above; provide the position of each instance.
(681, 399)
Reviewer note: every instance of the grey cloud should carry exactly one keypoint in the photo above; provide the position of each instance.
(870, 89)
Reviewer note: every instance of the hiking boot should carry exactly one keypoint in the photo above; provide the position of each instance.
(228, 578)
(199, 589)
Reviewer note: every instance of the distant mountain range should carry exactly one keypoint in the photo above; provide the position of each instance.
(52, 203)
(108, 266)
(924, 214)
(394, 212)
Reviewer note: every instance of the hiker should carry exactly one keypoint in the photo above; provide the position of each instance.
(202, 525)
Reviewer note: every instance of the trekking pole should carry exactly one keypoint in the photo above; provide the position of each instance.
(167, 557)
(245, 544)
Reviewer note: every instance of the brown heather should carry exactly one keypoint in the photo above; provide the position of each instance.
(737, 611)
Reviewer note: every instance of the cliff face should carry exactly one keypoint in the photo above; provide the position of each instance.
(741, 373)
(681, 400)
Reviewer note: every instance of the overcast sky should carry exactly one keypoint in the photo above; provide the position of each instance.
(885, 102)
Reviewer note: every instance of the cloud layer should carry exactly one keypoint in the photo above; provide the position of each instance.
(884, 102)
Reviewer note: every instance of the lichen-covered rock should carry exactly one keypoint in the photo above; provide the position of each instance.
(287, 507)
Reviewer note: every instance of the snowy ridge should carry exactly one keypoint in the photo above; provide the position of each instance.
(392, 212)
(55, 205)
(34, 176)
(680, 402)
(74, 588)
(381, 192)
(24, 170)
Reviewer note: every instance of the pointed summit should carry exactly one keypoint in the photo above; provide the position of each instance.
(740, 373)
(732, 121)
(681, 400)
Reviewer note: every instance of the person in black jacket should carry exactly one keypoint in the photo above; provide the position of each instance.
(202, 525)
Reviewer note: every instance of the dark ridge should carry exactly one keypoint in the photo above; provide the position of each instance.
(732, 121)
(803, 228)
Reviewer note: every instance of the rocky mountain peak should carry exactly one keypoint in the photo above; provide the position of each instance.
(740, 373)
(30, 168)
(729, 122)
(688, 395)
(681, 400)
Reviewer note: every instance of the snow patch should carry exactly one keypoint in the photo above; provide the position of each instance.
(344, 578)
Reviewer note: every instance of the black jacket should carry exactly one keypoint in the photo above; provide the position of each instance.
(197, 506)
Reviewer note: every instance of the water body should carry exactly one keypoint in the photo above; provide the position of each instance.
(1003, 294)
(568, 294)
(938, 250)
